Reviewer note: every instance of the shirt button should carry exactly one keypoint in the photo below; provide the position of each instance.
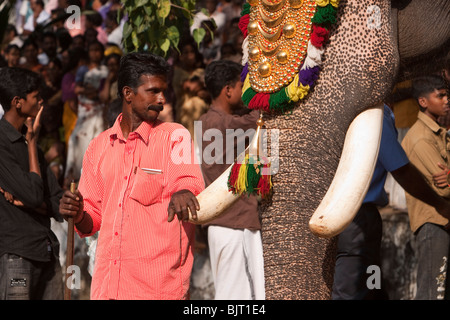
(120, 204)
(125, 177)
(116, 233)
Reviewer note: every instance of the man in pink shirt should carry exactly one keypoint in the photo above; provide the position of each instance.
(136, 177)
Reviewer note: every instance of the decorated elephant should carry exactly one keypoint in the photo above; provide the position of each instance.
(362, 48)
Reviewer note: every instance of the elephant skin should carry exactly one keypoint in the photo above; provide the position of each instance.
(360, 66)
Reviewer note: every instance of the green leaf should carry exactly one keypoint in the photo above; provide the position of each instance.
(140, 3)
(198, 35)
(164, 44)
(163, 9)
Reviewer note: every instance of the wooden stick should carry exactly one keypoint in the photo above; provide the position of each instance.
(69, 252)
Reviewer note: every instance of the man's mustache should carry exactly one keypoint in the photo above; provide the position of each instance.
(155, 107)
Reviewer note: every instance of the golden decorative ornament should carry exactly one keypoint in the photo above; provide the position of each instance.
(252, 27)
(296, 3)
(253, 53)
(265, 69)
(278, 47)
(289, 30)
(273, 5)
(282, 57)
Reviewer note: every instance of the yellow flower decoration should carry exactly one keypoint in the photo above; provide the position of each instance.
(246, 84)
(296, 91)
(324, 3)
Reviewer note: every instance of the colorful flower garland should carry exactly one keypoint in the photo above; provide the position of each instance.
(305, 79)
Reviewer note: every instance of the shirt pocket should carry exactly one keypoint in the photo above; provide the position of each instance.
(147, 188)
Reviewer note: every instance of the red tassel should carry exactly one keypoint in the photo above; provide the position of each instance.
(260, 101)
(233, 176)
(264, 186)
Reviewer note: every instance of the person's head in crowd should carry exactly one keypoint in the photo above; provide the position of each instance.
(37, 6)
(30, 52)
(96, 52)
(9, 35)
(211, 5)
(430, 93)
(53, 71)
(190, 57)
(58, 17)
(18, 85)
(79, 41)
(227, 51)
(49, 44)
(223, 78)
(64, 39)
(112, 61)
(93, 20)
(12, 55)
(111, 20)
(137, 64)
(90, 34)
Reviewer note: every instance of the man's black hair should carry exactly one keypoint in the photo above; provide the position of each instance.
(221, 73)
(423, 86)
(16, 82)
(136, 64)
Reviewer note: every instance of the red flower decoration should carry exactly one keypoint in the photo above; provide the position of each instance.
(319, 35)
(243, 23)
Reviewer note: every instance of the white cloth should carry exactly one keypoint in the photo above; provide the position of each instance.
(237, 263)
(29, 24)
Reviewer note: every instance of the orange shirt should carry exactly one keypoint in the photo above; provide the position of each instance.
(139, 254)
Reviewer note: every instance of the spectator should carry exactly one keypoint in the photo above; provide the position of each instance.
(29, 195)
(30, 52)
(39, 17)
(152, 254)
(49, 48)
(188, 62)
(113, 28)
(234, 238)
(427, 146)
(12, 55)
(90, 116)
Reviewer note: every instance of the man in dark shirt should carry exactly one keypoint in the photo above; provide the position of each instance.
(234, 238)
(29, 264)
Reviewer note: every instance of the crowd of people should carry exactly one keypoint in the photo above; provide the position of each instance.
(79, 67)
(91, 89)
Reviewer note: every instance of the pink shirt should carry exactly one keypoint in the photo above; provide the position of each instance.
(139, 254)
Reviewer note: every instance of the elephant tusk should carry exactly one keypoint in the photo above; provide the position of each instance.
(353, 175)
(216, 198)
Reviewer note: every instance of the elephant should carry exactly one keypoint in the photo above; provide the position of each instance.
(361, 64)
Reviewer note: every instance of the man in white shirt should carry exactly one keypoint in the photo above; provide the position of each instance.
(39, 16)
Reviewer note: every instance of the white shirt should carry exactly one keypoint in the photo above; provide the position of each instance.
(29, 25)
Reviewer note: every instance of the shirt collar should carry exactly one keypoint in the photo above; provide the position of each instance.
(11, 132)
(142, 132)
(430, 123)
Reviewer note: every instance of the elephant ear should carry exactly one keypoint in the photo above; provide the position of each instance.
(353, 175)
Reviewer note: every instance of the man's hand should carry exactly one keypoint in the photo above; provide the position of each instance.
(33, 126)
(179, 204)
(440, 178)
(71, 206)
(10, 198)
